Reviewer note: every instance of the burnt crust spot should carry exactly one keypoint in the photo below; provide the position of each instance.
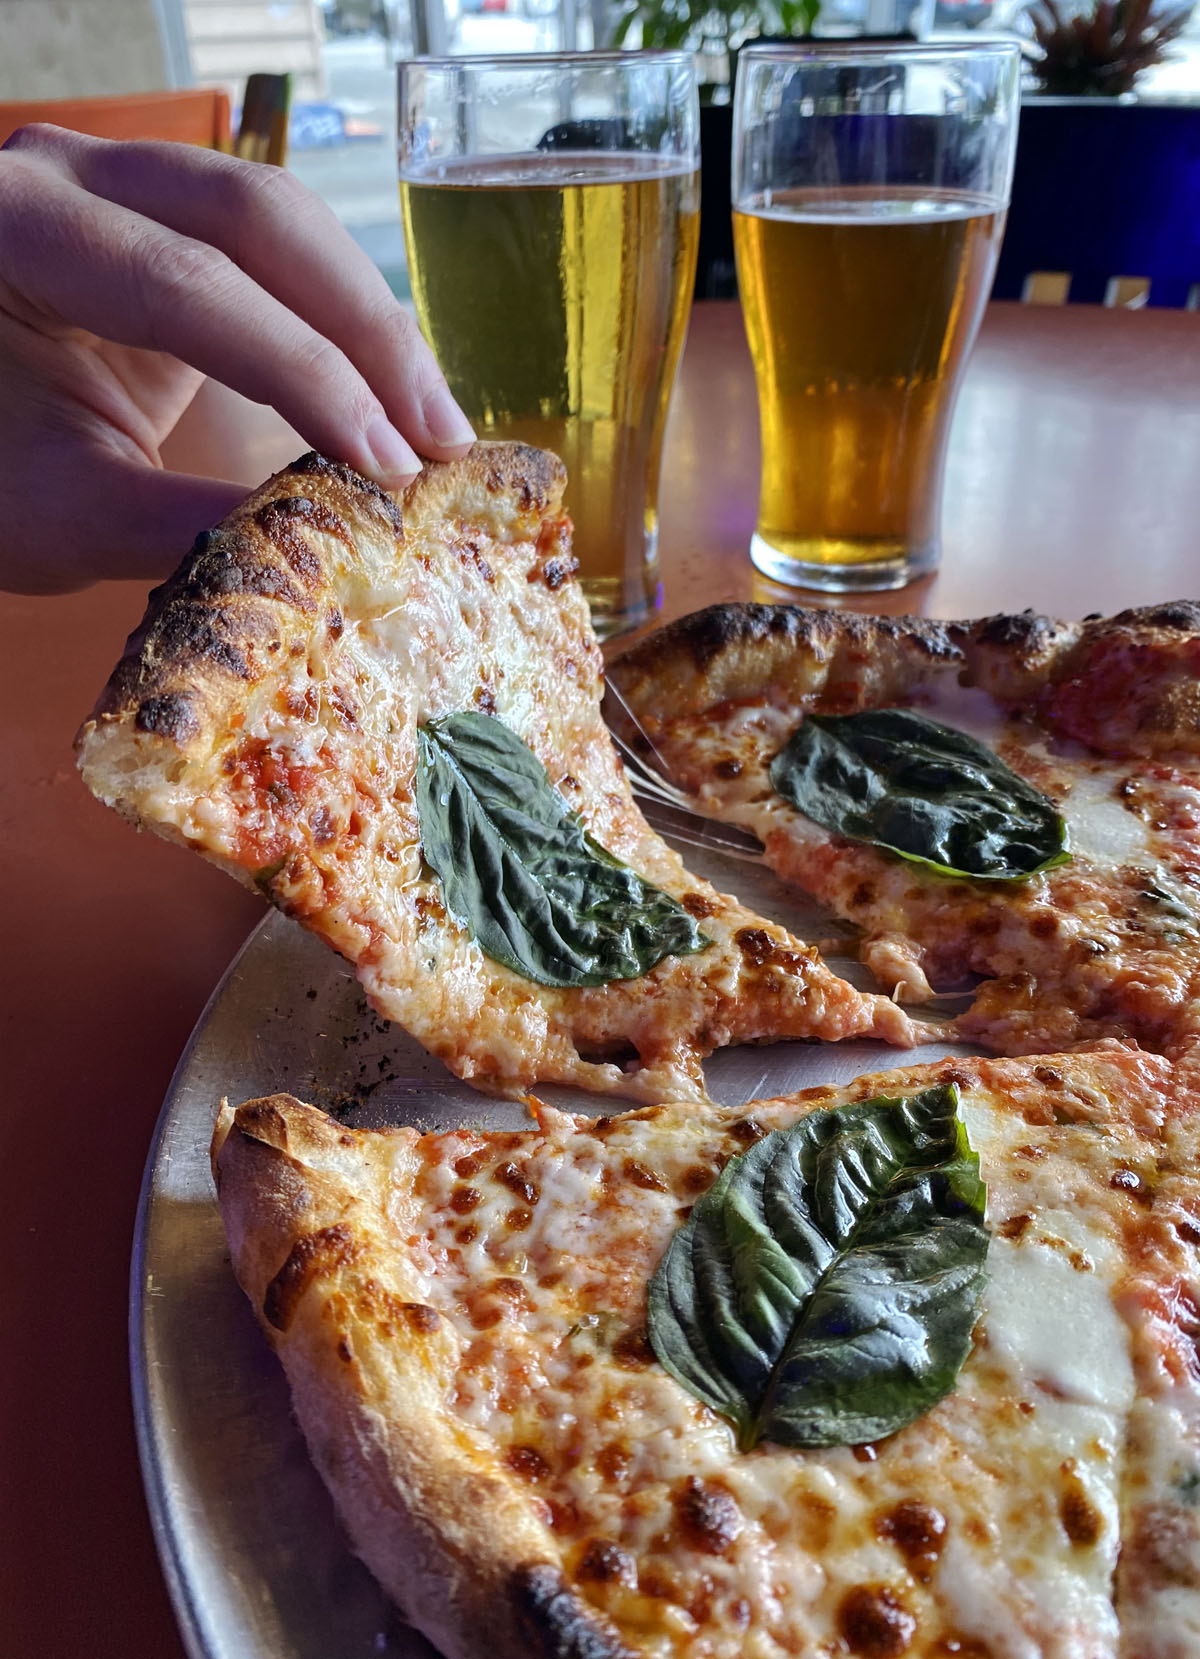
(189, 633)
(708, 634)
(204, 624)
(532, 473)
(1024, 631)
(555, 571)
(557, 1621)
(282, 523)
(312, 1254)
(171, 716)
(1182, 614)
(322, 467)
(225, 563)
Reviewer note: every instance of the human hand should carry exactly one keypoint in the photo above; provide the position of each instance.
(129, 272)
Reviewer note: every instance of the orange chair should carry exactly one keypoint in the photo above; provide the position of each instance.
(189, 116)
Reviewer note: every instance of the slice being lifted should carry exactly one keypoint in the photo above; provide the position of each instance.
(387, 719)
(1013, 798)
(470, 1323)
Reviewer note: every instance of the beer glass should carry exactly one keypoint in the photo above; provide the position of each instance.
(551, 217)
(870, 185)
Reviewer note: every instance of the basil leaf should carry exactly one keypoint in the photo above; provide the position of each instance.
(920, 789)
(824, 1290)
(519, 870)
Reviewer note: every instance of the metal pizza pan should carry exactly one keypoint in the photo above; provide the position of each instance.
(255, 1562)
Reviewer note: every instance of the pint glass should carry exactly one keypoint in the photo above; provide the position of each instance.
(869, 189)
(551, 217)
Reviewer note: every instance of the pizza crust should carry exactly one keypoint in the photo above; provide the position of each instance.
(1129, 682)
(729, 653)
(266, 715)
(316, 543)
(443, 1531)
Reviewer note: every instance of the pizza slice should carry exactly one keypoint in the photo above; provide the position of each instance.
(386, 717)
(755, 1382)
(1014, 799)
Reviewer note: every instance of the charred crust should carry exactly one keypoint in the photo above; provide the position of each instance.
(281, 523)
(190, 633)
(320, 466)
(790, 655)
(216, 618)
(1182, 615)
(708, 634)
(556, 571)
(171, 716)
(534, 474)
(557, 1621)
(226, 563)
(1024, 631)
(314, 1253)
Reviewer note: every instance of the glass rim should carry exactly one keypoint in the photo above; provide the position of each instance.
(534, 60)
(858, 51)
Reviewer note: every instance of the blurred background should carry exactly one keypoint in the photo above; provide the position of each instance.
(340, 56)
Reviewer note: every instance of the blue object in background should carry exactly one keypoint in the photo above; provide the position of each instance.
(1105, 190)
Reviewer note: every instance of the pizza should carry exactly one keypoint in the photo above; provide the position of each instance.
(831, 737)
(975, 1431)
(385, 716)
(902, 1367)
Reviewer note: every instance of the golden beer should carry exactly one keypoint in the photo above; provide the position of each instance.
(554, 290)
(861, 306)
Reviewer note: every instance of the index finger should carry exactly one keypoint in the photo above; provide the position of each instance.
(289, 242)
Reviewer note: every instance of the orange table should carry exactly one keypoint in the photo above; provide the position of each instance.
(1073, 485)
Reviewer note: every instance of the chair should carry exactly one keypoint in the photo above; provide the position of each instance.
(263, 128)
(192, 115)
(1105, 205)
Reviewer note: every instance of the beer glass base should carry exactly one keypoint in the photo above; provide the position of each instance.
(615, 610)
(822, 571)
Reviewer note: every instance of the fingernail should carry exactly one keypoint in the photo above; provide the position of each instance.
(447, 424)
(394, 460)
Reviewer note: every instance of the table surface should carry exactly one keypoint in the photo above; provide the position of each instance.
(1072, 486)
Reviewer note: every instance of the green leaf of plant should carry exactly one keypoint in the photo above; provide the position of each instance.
(519, 870)
(824, 1290)
(923, 790)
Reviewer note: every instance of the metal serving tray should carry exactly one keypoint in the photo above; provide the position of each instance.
(254, 1559)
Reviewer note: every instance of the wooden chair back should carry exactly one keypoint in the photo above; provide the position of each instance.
(192, 115)
(1105, 205)
(263, 128)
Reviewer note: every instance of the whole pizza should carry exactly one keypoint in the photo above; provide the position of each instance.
(907, 1366)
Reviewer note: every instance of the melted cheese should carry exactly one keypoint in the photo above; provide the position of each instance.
(1108, 944)
(537, 1249)
(305, 787)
